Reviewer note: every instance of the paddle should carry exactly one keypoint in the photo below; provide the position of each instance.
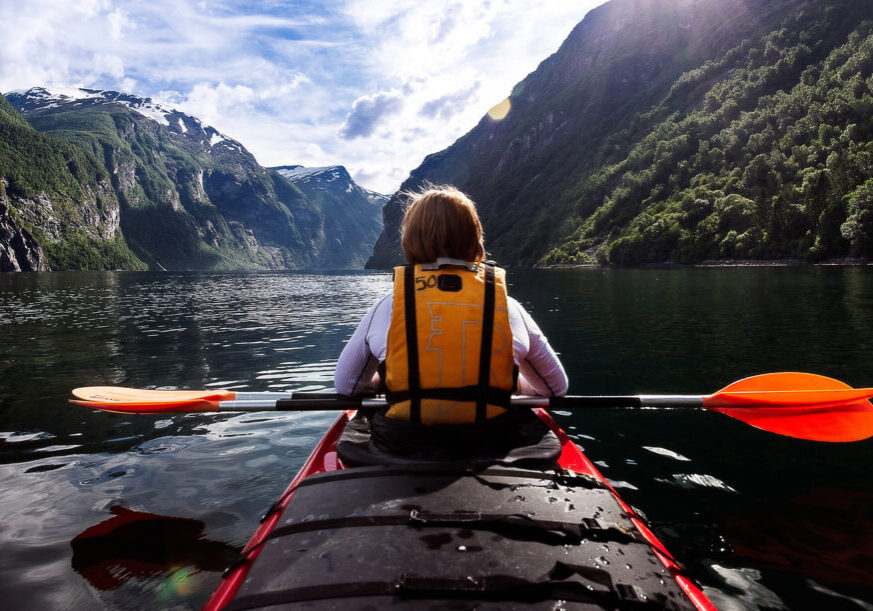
(802, 405)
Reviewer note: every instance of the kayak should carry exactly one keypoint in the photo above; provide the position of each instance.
(453, 536)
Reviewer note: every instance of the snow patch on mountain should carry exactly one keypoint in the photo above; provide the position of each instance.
(327, 173)
(38, 98)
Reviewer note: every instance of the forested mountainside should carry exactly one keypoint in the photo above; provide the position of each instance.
(184, 195)
(339, 198)
(678, 130)
(57, 204)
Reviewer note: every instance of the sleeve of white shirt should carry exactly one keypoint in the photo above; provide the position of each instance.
(362, 354)
(540, 370)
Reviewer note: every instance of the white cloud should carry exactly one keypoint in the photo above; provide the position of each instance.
(371, 84)
(110, 65)
(117, 23)
(368, 111)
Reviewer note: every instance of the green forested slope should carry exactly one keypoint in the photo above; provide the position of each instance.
(58, 210)
(186, 196)
(774, 161)
(678, 130)
(162, 178)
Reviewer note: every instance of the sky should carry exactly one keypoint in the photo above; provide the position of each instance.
(374, 85)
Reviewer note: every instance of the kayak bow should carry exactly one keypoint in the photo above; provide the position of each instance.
(418, 535)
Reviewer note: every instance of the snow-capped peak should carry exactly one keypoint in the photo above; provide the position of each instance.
(39, 98)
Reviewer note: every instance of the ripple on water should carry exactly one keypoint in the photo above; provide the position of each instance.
(696, 480)
(667, 453)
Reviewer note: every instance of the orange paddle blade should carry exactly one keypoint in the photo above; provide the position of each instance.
(789, 389)
(825, 409)
(118, 394)
(138, 401)
(178, 407)
(853, 422)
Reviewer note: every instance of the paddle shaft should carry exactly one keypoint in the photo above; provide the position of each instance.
(369, 403)
(796, 404)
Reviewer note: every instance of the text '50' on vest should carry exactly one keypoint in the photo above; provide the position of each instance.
(449, 356)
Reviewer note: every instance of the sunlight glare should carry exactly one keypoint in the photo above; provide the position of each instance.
(499, 111)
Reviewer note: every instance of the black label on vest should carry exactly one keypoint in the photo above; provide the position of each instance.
(449, 282)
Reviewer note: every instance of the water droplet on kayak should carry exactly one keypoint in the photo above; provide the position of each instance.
(552, 499)
(602, 560)
(462, 548)
(629, 567)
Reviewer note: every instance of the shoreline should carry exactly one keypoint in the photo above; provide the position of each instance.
(844, 262)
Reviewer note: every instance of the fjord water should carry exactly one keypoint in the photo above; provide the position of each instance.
(112, 511)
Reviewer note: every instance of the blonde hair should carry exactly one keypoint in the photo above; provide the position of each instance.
(441, 222)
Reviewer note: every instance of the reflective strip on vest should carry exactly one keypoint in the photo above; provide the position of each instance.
(435, 346)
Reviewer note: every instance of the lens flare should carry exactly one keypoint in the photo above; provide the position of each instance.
(499, 111)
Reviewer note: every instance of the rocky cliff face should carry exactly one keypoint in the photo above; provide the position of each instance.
(190, 197)
(19, 251)
(58, 209)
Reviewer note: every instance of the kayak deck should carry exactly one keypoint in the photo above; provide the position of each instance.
(442, 535)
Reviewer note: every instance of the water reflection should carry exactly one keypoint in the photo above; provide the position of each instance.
(136, 544)
(734, 503)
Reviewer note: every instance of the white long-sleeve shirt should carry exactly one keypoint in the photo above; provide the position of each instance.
(540, 370)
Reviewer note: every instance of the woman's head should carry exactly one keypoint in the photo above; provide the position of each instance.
(441, 222)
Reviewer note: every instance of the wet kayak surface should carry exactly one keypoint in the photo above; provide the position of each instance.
(113, 511)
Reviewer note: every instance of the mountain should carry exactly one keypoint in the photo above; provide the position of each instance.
(340, 198)
(188, 196)
(677, 130)
(57, 205)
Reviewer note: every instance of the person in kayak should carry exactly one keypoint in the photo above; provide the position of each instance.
(448, 346)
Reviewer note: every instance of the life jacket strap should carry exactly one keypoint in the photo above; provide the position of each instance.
(485, 351)
(412, 345)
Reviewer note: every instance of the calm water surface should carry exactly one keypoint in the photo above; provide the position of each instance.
(123, 512)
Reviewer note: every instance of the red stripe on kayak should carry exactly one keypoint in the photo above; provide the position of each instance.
(323, 458)
(573, 459)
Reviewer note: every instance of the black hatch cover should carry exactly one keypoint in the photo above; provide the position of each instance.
(431, 538)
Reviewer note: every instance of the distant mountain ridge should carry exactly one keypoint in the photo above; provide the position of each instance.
(340, 198)
(677, 131)
(189, 197)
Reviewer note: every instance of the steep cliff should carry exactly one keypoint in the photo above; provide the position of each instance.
(352, 215)
(634, 141)
(57, 205)
(190, 197)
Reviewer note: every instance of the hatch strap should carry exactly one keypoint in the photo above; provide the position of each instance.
(512, 526)
(566, 478)
(486, 588)
(519, 527)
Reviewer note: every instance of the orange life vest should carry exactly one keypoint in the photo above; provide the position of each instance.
(440, 367)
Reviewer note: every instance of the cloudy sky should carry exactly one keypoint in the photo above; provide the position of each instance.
(374, 85)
